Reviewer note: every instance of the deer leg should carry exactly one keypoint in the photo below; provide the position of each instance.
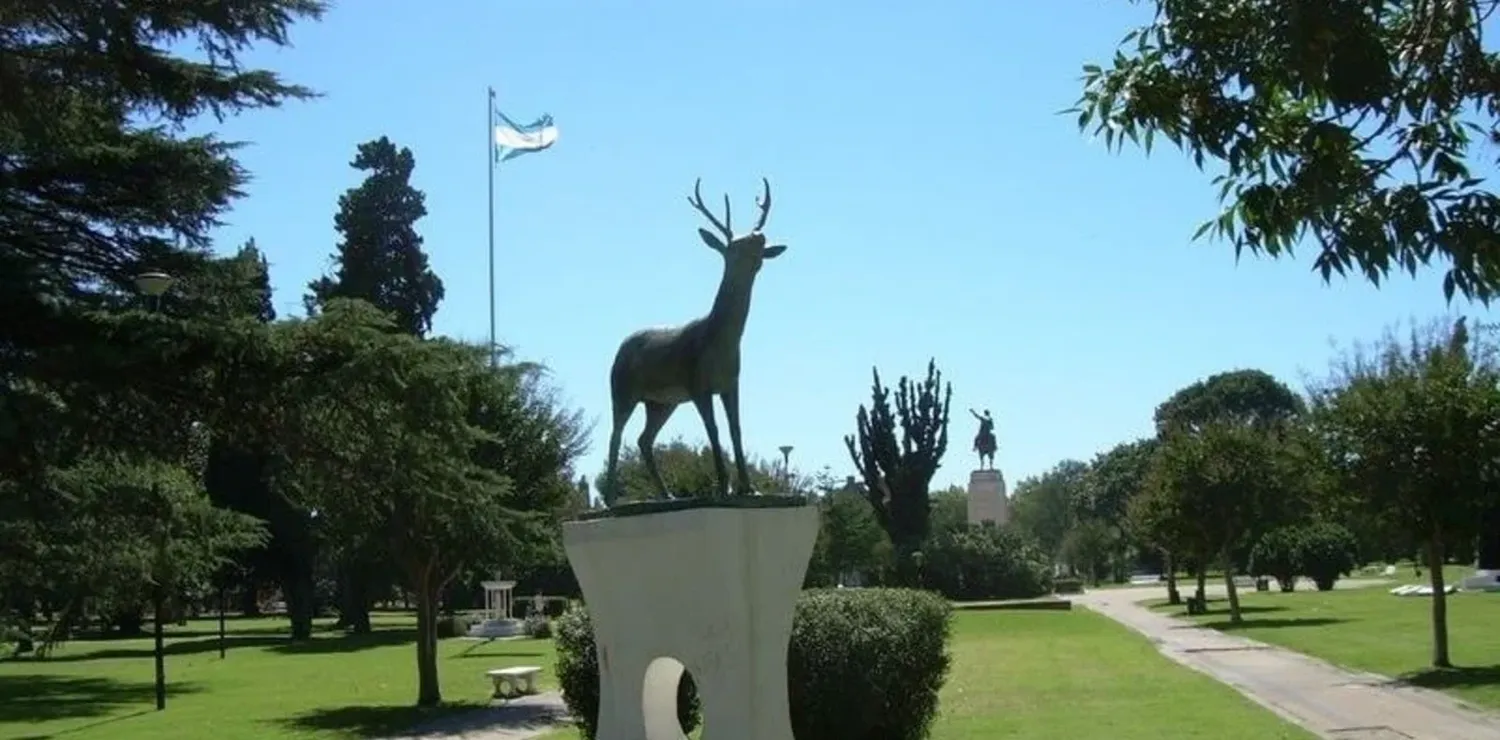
(621, 417)
(656, 418)
(732, 414)
(705, 406)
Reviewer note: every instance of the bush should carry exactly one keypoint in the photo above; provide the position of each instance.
(983, 561)
(538, 625)
(1328, 552)
(455, 625)
(1321, 551)
(862, 664)
(578, 675)
(1279, 554)
(1068, 586)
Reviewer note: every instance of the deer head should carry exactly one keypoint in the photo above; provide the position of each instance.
(740, 253)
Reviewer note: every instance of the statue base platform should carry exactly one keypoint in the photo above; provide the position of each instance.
(707, 587)
(987, 501)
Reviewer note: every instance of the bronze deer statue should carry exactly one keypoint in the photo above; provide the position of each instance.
(662, 368)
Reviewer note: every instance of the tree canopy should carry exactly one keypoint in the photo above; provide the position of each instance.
(1353, 125)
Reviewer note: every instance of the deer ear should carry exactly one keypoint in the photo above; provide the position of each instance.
(711, 240)
(772, 252)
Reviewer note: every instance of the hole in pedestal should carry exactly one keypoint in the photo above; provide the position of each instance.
(669, 700)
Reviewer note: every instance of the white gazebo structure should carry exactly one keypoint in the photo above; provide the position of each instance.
(497, 605)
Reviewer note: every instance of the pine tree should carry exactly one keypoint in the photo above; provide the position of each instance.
(380, 259)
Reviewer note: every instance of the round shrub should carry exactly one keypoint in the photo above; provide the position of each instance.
(537, 625)
(578, 675)
(1279, 554)
(862, 664)
(1328, 553)
(867, 664)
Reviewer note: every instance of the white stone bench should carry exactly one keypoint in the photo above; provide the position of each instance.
(514, 681)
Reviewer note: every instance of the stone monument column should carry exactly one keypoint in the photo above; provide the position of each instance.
(987, 501)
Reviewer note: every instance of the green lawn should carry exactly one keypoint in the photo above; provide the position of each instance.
(1370, 630)
(332, 687)
(1052, 674)
(1021, 674)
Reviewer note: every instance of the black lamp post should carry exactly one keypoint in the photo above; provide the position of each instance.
(152, 285)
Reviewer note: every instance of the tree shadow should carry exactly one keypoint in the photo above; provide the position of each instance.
(470, 654)
(348, 643)
(447, 720)
(41, 697)
(1246, 624)
(179, 647)
(1449, 678)
(369, 722)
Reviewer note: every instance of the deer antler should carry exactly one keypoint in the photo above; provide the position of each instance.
(765, 206)
(696, 201)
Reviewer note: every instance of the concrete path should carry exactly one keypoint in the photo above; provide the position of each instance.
(517, 719)
(1331, 702)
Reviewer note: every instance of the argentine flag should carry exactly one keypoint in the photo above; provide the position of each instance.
(512, 140)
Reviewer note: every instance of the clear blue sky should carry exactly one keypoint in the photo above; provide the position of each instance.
(934, 203)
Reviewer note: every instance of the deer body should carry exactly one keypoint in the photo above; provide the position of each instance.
(664, 367)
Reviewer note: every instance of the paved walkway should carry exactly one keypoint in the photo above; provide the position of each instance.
(1332, 702)
(517, 719)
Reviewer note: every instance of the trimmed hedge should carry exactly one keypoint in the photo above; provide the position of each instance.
(862, 664)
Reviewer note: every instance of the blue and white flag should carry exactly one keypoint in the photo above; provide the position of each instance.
(512, 140)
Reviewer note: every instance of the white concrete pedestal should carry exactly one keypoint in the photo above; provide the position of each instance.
(709, 589)
(987, 501)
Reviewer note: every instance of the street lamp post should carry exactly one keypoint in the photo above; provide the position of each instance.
(786, 468)
(152, 285)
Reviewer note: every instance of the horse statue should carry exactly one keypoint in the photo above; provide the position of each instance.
(984, 441)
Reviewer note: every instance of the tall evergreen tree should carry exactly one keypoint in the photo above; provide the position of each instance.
(380, 259)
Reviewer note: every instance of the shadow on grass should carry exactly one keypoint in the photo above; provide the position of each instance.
(1453, 678)
(40, 697)
(179, 647)
(1260, 624)
(370, 722)
(528, 654)
(447, 720)
(349, 643)
(279, 643)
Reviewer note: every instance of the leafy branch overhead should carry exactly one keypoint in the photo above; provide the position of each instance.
(1351, 124)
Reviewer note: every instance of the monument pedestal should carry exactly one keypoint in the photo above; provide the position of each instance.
(708, 589)
(987, 501)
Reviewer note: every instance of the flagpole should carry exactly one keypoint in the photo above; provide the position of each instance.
(490, 157)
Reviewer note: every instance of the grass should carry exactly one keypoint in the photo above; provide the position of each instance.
(334, 686)
(1370, 630)
(1042, 675)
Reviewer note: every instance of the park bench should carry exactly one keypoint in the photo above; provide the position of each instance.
(514, 681)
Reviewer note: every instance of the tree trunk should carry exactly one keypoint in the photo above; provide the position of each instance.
(1173, 597)
(297, 590)
(429, 693)
(1234, 594)
(1439, 603)
(354, 602)
(250, 598)
(1202, 583)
